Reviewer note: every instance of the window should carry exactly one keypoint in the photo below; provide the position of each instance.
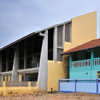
(60, 36)
(68, 30)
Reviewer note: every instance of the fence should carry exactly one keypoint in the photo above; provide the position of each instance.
(16, 84)
(89, 86)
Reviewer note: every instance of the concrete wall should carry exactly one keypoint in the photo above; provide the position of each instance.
(8, 91)
(84, 72)
(43, 69)
(84, 29)
(56, 71)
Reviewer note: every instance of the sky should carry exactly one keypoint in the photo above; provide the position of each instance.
(21, 17)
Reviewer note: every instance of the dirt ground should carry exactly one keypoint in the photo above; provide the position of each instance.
(54, 96)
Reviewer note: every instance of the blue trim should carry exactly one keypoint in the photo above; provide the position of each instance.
(76, 92)
(75, 84)
(59, 86)
(97, 81)
(67, 91)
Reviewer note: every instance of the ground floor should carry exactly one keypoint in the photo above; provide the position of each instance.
(22, 75)
(55, 71)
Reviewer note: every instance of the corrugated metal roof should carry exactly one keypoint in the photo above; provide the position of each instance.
(89, 45)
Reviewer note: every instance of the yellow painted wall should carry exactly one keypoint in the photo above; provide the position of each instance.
(84, 29)
(7, 91)
(20, 77)
(7, 78)
(55, 72)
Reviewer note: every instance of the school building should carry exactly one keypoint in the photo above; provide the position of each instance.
(38, 57)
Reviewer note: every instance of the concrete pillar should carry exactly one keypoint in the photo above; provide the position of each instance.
(55, 45)
(63, 35)
(14, 76)
(0, 63)
(42, 77)
(92, 59)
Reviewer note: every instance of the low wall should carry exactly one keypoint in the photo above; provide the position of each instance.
(11, 88)
(89, 86)
(0, 84)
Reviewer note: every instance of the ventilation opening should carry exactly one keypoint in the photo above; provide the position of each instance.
(68, 32)
(50, 43)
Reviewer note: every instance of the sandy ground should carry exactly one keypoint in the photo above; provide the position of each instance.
(54, 96)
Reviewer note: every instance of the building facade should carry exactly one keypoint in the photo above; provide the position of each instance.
(85, 60)
(37, 56)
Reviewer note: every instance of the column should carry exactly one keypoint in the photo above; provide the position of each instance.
(63, 35)
(42, 75)
(70, 64)
(14, 76)
(92, 59)
(92, 63)
(55, 45)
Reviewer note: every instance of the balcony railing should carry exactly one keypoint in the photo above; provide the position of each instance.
(86, 63)
(96, 61)
(81, 63)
